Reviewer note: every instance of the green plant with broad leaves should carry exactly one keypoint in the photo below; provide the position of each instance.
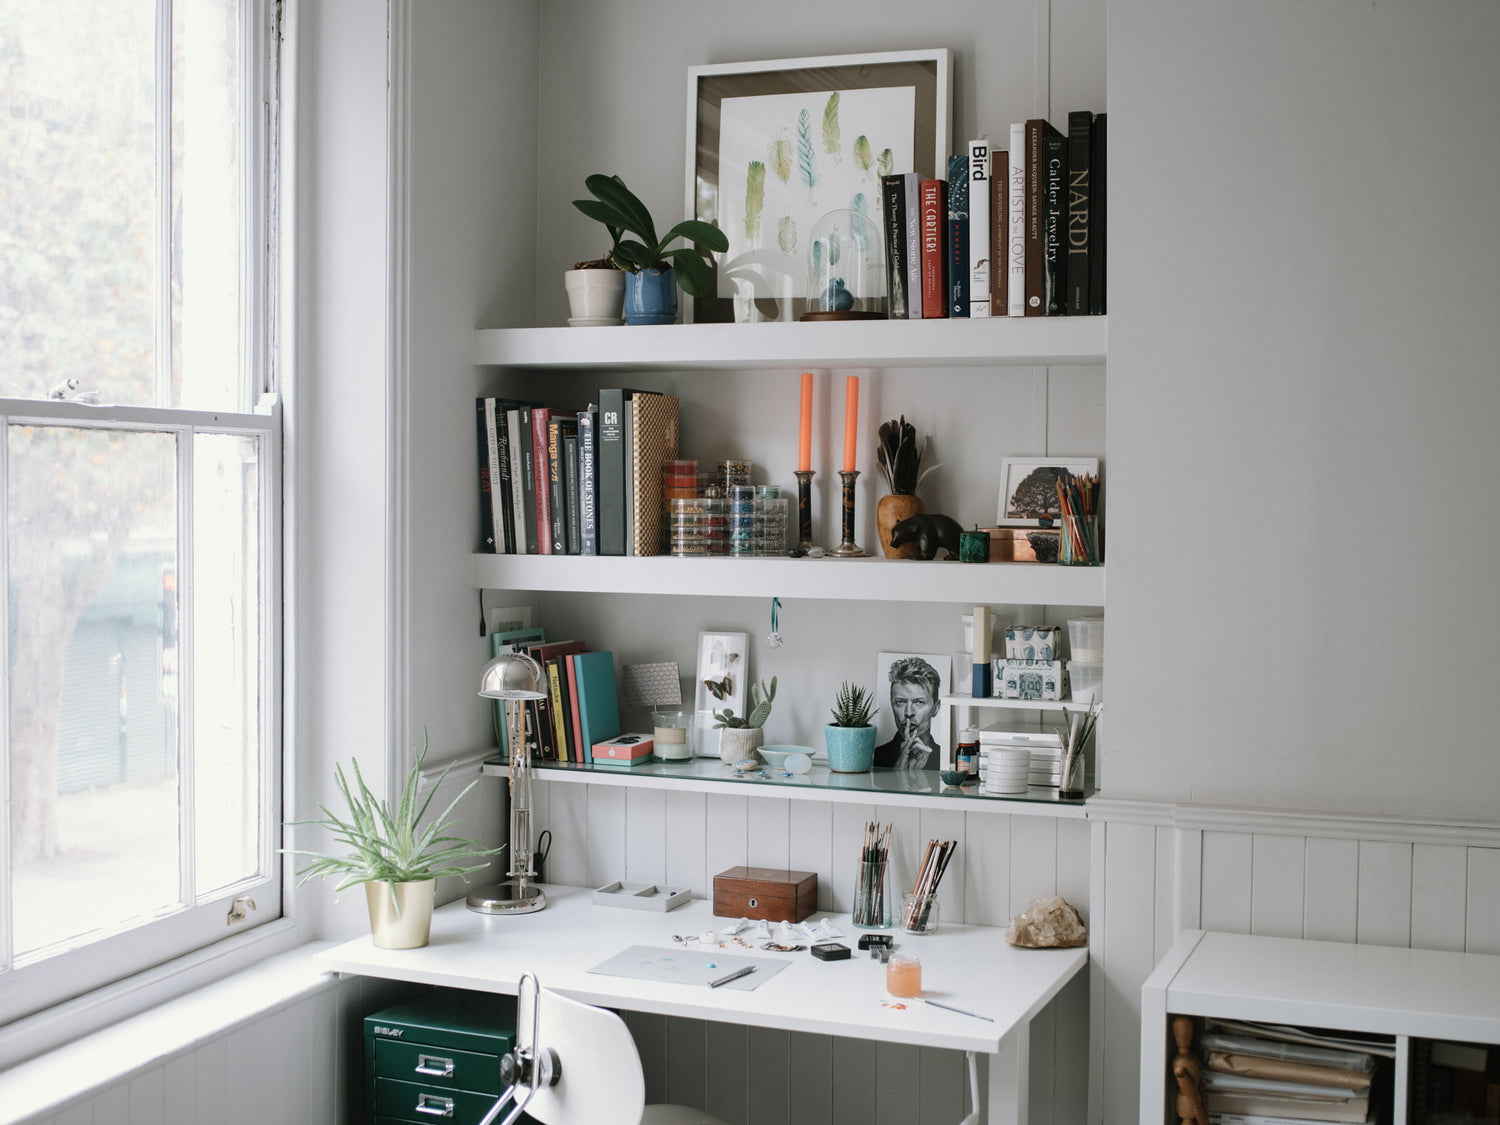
(391, 845)
(622, 214)
(760, 708)
(853, 706)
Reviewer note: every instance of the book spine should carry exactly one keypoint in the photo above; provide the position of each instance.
(912, 194)
(588, 526)
(1036, 247)
(1099, 234)
(570, 665)
(999, 230)
(528, 483)
(1015, 297)
(956, 241)
(517, 480)
(934, 287)
(505, 531)
(573, 525)
(979, 229)
(556, 499)
(554, 704)
(629, 474)
(1080, 141)
(485, 410)
(1054, 278)
(893, 211)
(540, 416)
(611, 455)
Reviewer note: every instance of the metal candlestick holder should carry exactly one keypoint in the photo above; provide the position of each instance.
(804, 509)
(846, 548)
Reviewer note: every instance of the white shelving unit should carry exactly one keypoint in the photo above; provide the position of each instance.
(1403, 993)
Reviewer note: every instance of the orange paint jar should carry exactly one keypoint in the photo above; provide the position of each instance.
(903, 975)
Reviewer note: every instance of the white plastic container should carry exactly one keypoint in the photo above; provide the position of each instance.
(1087, 680)
(1086, 639)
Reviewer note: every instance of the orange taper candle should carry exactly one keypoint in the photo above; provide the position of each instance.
(851, 420)
(804, 433)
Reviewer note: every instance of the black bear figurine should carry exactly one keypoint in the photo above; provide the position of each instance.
(928, 531)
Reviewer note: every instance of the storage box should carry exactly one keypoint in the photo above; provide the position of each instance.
(1033, 642)
(1042, 680)
(624, 749)
(1024, 544)
(772, 893)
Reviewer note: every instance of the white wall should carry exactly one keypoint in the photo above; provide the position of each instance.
(1302, 404)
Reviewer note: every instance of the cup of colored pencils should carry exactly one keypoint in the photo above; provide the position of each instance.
(919, 910)
(1079, 543)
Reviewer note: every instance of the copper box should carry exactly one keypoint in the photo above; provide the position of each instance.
(1024, 544)
(772, 893)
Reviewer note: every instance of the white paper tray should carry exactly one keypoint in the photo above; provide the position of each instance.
(642, 896)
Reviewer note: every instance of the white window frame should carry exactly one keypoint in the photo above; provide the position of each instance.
(51, 1001)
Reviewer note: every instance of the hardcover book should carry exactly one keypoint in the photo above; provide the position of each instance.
(529, 481)
(588, 482)
(893, 213)
(654, 429)
(611, 456)
(486, 414)
(570, 666)
(1055, 263)
(505, 531)
(555, 703)
(1099, 235)
(979, 229)
(1015, 281)
(517, 479)
(559, 428)
(572, 525)
(1080, 143)
(540, 416)
(999, 230)
(957, 241)
(1037, 132)
(598, 708)
(913, 193)
(934, 262)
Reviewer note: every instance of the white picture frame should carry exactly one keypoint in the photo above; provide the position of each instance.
(720, 656)
(933, 683)
(757, 272)
(1014, 472)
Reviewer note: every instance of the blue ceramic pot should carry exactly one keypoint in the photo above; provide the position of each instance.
(850, 749)
(651, 297)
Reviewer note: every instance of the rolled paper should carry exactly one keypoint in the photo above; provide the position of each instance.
(804, 433)
(851, 420)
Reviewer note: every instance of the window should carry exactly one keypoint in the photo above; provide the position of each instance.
(139, 478)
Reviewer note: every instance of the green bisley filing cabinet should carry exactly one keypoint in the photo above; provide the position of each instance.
(437, 1057)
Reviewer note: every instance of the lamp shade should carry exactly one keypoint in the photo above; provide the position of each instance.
(511, 675)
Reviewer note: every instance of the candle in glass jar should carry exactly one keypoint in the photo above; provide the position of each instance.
(903, 975)
(851, 420)
(804, 430)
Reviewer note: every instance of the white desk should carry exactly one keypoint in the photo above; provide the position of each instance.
(970, 966)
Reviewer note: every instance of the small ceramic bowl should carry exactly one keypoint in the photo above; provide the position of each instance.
(777, 755)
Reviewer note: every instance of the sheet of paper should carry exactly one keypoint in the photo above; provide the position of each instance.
(695, 967)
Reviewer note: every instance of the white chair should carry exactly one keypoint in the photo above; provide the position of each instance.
(577, 1065)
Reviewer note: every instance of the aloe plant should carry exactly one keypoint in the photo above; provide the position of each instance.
(390, 845)
(759, 710)
(622, 213)
(852, 706)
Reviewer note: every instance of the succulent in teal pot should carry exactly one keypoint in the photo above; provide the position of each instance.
(850, 738)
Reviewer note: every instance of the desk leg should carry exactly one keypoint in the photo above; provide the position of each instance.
(1010, 1070)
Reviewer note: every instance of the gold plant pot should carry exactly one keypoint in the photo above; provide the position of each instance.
(412, 925)
(890, 511)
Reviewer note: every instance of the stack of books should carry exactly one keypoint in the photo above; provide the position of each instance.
(1266, 1074)
(1010, 231)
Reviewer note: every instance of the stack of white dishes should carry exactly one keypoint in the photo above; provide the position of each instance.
(1004, 771)
(1038, 737)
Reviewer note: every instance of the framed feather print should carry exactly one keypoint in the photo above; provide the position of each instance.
(775, 146)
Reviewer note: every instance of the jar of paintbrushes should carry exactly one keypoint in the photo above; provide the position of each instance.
(872, 899)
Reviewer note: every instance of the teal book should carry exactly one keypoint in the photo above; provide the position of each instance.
(598, 707)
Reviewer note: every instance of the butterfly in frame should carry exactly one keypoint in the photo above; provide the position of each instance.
(721, 689)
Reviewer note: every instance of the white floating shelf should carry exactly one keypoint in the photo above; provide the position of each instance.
(865, 579)
(996, 342)
(1011, 704)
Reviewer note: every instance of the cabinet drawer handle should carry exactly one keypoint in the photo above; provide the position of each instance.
(434, 1105)
(435, 1066)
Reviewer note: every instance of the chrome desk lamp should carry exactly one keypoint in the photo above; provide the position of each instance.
(514, 678)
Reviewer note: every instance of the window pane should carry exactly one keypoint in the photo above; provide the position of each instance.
(93, 722)
(206, 246)
(226, 659)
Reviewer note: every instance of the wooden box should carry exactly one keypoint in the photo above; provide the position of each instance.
(1024, 544)
(772, 893)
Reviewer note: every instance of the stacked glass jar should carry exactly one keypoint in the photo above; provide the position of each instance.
(727, 516)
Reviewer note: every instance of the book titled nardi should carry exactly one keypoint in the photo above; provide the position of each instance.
(771, 893)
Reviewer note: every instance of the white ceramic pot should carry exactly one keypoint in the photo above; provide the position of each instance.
(402, 921)
(736, 743)
(595, 296)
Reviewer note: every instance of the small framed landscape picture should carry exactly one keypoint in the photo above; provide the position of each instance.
(911, 729)
(723, 672)
(1028, 486)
